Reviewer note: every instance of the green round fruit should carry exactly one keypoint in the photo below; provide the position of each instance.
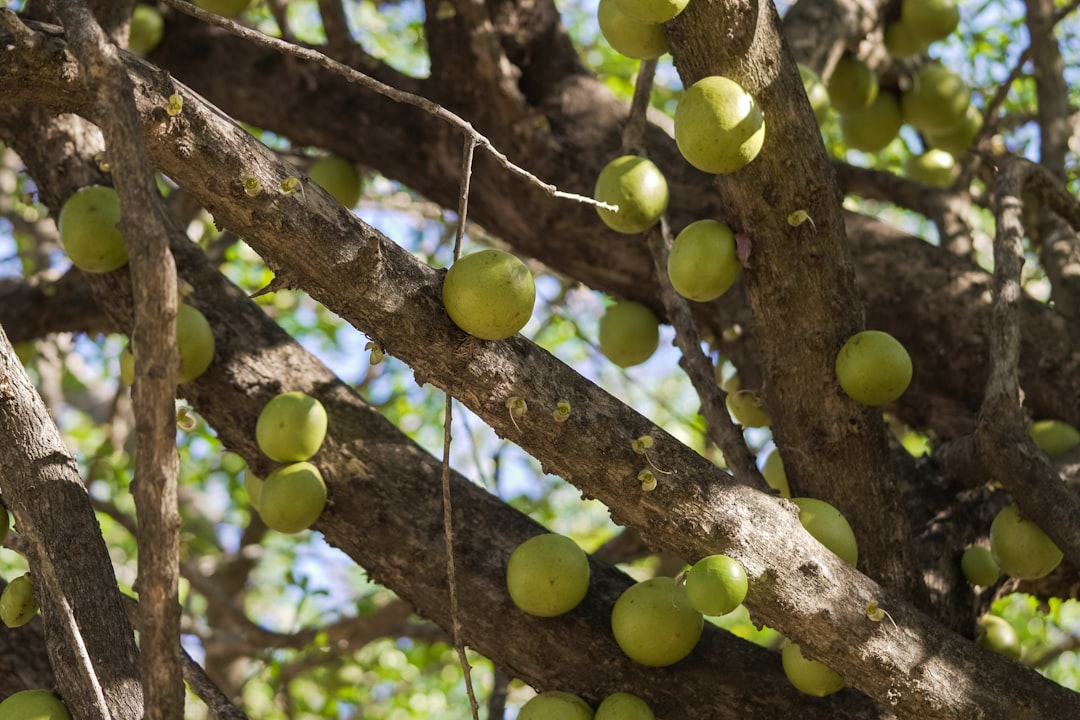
(489, 294)
(624, 706)
(719, 127)
(873, 368)
(746, 409)
(547, 575)
(127, 365)
(194, 342)
(292, 497)
(702, 264)
(979, 566)
(225, 8)
(652, 11)
(629, 36)
(996, 634)
(147, 29)
(937, 100)
(957, 139)
(654, 622)
(930, 20)
(816, 93)
(339, 177)
(872, 128)
(775, 475)
(935, 168)
(18, 605)
(809, 676)
(639, 189)
(555, 705)
(291, 427)
(716, 585)
(829, 527)
(1054, 437)
(901, 42)
(253, 485)
(89, 231)
(852, 86)
(1020, 547)
(34, 705)
(629, 333)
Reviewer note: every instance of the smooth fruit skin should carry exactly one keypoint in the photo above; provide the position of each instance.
(547, 575)
(640, 190)
(654, 623)
(957, 139)
(716, 585)
(901, 42)
(33, 705)
(702, 264)
(127, 365)
(936, 101)
(18, 605)
(555, 705)
(88, 230)
(871, 129)
(629, 36)
(147, 29)
(1020, 547)
(829, 527)
(809, 676)
(935, 168)
(775, 475)
(652, 11)
(225, 8)
(873, 368)
(624, 706)
(852, 86)
(194, 342)
(292, 497)
(1054, 437)
(253, 485)
(291, 427)
(719, 127)
(930, 20)
(996, 634)
(339, 177)
(629, 333)
(746, 409)
(816, 93)
(489, 294)
(979, 566)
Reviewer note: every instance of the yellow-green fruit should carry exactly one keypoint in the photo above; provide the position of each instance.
(652, 11)
(88, 230)
(936, 101)
(775, 475)
(654, 622)
(253, 485)
(901, 42)
(225, 8)
(629, 36)
(291, 427)
(624, 706)
(147, 28)
(816, 93)
(547, 575)
(489, 294)
(872, 128)
(996, 634)
(957, 139)
(930, 20)
(852, 86)
(292, 497)
(873, 368)
(18, 605)
(746, 409)
(809, 676)
(194, 342)
(555, 705)
(702, 264)
(629, 333)
(829, 527)
(934, 167)
(127, 366)
(339, 177)
(716, 585)
(1054, 437)
(33, 705)
(637, 187)
(719, 127)
(1020, 547)
(979, 566)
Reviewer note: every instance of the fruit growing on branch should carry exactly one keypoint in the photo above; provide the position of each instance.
(292, 497)
(829, 527)
(873, 368)
(89, 232)
(816, 93)
(901, 42)
(547, 575)
(147, 28)
(637, 187)
(719, 127)
(489, 294)
(872, 128)
(654, 622)
(1054, 437)
(934, 167)
(194, 342)
(996, 634)
(775, 475)
(937, 100)
(33, 705)
(555, 705)
(339, 177)
(629, 333)
(930, 20)
(18, 605)
(628, 35)
(716, 585)
(979, 566)
(291, 427)
(652, 11)
(702, 264)
(624, 706)
(809, 676)
(1020, 547)
(852, 86)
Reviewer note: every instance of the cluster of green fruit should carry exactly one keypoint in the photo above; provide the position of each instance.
(634, 28)
(34, 705)
(290, 429)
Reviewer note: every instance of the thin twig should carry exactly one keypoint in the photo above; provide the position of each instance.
(633, 137)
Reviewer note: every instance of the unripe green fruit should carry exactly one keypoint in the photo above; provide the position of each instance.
(979, 566)
(934, 167)
(624, 706)
(702, 264)
(816, 93)
(194, 342)
(654, 622)
(809, 676)
(225, 8)
(253, 485)
(746, 409)
(1054, 437)
(88, 230)
(719, 127)
(873, 368)
(901, 42)
(852, 86)
(629, 36)
(930, 20)
(996, 634)
(291, 427)
(547, 575)
(555, 705)
(829, 527)
(775, 475)
(489, 294)
(936, 101)
(339, 177)
(292, 497)
(652, 11)
(716, 585)
(639, 189)
(1020, 547)
(629, 333)
(18, 605)
(127, 366)
(957, 139)
(872, 128)
(147, 28)
(33, 705)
